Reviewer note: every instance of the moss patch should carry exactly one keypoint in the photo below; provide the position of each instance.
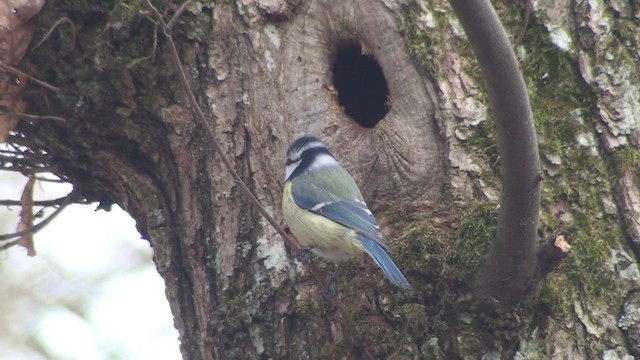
(472, 241)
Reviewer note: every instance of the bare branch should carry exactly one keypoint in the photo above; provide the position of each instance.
(9, 244)
(551, 254)
(29, 154)
(14, 70)
(26, 170)
(45, 203)
(528, 4)
(60, 21)
(58, 181)
(37, 227)
(19, 160)
(33, 117)
(177, 15)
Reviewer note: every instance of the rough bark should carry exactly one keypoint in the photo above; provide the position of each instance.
(262, 71)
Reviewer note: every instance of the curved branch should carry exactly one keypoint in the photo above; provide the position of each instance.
(511, 263)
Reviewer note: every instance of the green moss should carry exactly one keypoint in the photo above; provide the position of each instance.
(125, 10)
(553, 293)
(415, 318)
(627, 29)
(628, 159)
(485, 141)
(475, 235)
(419, 247)
(445, 261)
(561, 108)
(427, 47)
(580, 273)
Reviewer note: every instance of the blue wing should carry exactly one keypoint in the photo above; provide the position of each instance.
(353, 214)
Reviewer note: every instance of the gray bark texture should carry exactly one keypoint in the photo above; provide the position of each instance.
(262, 72)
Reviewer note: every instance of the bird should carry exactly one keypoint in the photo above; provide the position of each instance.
(324, 209)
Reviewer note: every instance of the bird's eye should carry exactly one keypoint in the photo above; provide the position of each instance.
(289, 162)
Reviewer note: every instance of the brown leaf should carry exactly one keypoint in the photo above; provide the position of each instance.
(26, 9)
(15, 30)
(7, 123)
(15, 36)
(10, 99)
(26, 217)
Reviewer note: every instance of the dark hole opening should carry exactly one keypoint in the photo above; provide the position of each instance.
(361, 86)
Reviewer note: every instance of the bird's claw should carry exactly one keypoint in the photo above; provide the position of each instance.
(305, 254)
(330, 291)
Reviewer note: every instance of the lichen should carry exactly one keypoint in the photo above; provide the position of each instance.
(272, 251)
(630, 316)
(627, 158)
(425, 34)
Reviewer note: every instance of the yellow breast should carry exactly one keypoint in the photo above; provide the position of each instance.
(330, 239)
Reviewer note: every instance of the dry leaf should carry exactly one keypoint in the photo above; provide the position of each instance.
(15, 30)
(10, 99)
(26, 9)
(26, 217)
(15, 36)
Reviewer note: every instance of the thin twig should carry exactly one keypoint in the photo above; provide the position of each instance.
(16, 138)
(350, 326)
(33, 117)
(15, 70)
(35, 228)
(46, 203)
(9, 244)
(23, 161)
(58, 181)
(155, 44)
(24, 154)
(177, 15)
(528, 4)
(53, 27)
(24, 170)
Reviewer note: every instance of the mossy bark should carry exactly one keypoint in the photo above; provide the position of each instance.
(262, 72)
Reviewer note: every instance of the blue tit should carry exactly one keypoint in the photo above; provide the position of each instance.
(324, 209)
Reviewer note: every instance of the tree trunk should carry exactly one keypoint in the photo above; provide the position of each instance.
(264, 73)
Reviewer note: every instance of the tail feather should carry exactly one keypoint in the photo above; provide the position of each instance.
(384, 261)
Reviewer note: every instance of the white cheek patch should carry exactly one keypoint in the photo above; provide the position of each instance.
(319, 162)
(290, 168)
(322, 161)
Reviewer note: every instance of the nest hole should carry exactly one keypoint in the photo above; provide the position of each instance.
(360, 83)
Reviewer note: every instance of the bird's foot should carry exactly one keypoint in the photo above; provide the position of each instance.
(330, 291)
(305, 254)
